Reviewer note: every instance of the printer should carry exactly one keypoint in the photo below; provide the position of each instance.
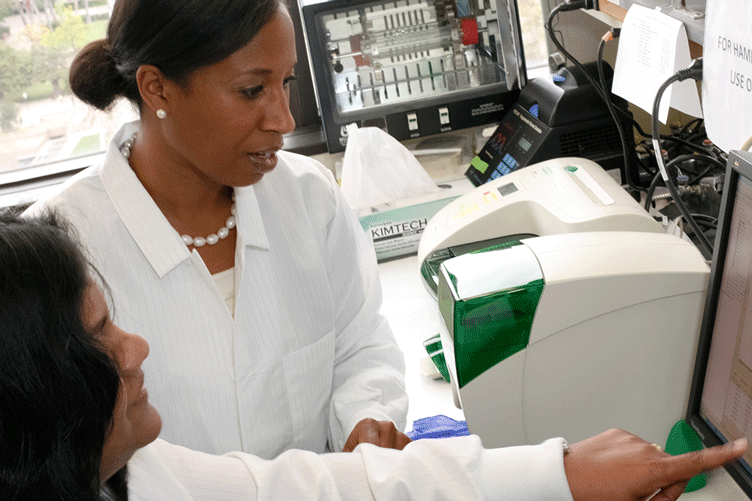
(571, 334)
(562, 195)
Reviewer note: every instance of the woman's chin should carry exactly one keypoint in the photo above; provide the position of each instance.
(147, 427)
(152, 426)
(143, 428)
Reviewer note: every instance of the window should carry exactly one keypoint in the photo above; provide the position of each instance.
(44, 130)
(534, 36)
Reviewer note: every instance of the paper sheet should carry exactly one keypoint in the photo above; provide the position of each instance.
(727, 72)
(653, 47)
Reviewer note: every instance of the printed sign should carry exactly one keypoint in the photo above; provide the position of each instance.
(727, 72)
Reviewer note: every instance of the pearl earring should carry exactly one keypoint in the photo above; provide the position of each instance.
(161, 114)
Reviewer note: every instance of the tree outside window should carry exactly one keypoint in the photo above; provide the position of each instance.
(40, 120)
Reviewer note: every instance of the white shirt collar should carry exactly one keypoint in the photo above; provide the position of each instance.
(160, 243)
(249, 220)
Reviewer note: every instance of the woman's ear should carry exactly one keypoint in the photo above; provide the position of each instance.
(152, 85)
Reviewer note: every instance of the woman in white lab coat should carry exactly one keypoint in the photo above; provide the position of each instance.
(76, 422)
(241, 264)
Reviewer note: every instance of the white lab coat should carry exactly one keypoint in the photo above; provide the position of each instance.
(307, 355)
(448, 469)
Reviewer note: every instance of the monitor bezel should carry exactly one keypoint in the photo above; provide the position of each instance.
(739, 165)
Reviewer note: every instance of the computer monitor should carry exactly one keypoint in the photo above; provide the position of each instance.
(720, 401)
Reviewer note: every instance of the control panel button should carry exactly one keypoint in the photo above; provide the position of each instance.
(443, 116)
(412, 121)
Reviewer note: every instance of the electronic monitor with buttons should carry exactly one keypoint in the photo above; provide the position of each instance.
(414, 67)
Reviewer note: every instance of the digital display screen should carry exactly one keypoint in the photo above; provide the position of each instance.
(720, 401)
(524, 143)
(726, 402)
(506, 189)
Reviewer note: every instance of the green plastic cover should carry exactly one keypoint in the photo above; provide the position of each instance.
(488, 300)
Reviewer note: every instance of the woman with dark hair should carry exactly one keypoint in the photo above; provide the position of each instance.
(74, 414)
(240, 263)
(57, 385)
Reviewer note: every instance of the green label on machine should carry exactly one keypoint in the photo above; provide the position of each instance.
(479, 164)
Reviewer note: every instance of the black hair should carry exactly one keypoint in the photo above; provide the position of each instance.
(176, 36)
(58, 384)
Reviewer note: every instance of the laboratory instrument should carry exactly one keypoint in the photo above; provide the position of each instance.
(562, 195)
(570, 335)
(558, 115)
(413, 67)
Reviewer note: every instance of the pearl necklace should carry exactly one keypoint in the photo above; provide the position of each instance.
(212, 239)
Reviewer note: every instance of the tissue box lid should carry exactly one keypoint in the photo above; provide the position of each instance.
(488, 301)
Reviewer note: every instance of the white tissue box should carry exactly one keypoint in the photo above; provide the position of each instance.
(395, 229)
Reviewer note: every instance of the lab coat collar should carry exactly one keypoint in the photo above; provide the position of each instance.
(160, 243)
(250, 222)
(157, 239)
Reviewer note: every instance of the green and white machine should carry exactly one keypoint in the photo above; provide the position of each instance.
(571, 334)
(562, 195)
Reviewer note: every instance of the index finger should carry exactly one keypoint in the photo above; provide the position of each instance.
(686, 466)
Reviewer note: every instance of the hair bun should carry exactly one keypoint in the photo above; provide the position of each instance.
(94, 77)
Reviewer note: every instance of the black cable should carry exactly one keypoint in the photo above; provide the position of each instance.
(687, 144)
(694, 71)
(713, 163)
(654, 182)
(705, 217)
(709, 222)
(641, 132)
(651, 190)
(703, 156)
(696, 121)
(679, 142)
(647, 168)
(701, 136)
(703, 151)
(567, 7)
(628, 167)
(551, 6)
(683, 142)
(601, 91)
(614, 33)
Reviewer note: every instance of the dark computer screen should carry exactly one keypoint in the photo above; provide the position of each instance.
(720, 402)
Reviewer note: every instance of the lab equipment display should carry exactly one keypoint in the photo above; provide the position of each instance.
(413, 67)
(569, 335)
(720, 401)
(556, 116)
(562, 195)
